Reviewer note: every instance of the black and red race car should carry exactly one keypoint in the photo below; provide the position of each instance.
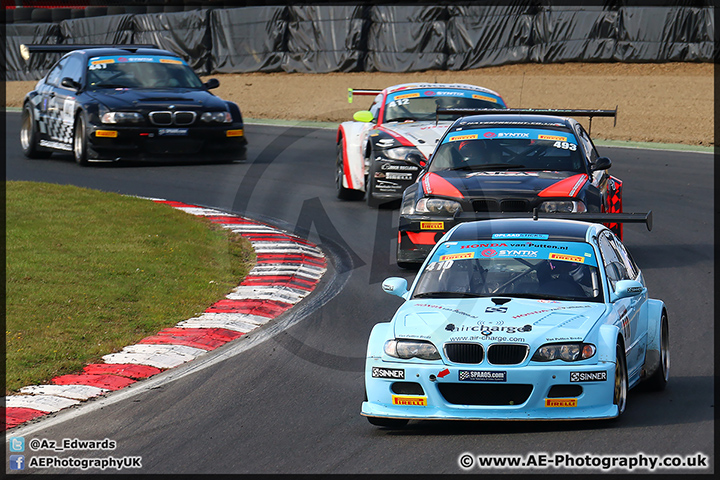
(493, 164)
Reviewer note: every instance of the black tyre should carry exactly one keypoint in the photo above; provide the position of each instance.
(342, 192)
(388, 422)
(80, 149)
(29, 135)
(659, 379)
(621, 380)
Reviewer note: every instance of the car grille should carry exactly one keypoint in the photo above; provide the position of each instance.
(491, 205)
(485, 394)
(514, 206)
(507, 354)
(464, 352)
(163, 118)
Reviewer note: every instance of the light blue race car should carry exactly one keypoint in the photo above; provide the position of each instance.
(517, 319)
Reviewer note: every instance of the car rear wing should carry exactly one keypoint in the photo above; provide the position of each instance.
(26, 50)
(635, 217)
(530, 111)
(360, 91)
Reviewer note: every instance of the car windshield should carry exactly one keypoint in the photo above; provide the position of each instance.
(528, 269)
(421, 104)
(152, 71)
(508, 149)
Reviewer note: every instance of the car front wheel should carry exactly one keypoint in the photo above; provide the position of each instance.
(80, 140)
(342, 192)
(659, 379)
(29, 135)
(621, 380)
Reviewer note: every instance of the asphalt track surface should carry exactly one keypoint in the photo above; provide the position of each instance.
(288, 401)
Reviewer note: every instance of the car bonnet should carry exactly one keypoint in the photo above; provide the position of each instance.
(485, 320)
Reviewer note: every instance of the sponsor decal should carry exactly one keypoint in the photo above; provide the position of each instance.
(450, 327)
(635, 289)
(537, 312)
(490, 135)
(529, 236)
(170, 60)
(106, 133)
(495, 309)
(443, 373)
(387, 166)
(561, 402)
(100, 62)
(518, 253)
(488, 330)
(600, 376)
(407, 95)
(399, 176)
(514, 135)
(462, 137)
(380, 372)
(489, 252)
(429, 93)
(552, 137)
(481, 376)
(385, 142)
(173, 131)
(409, 401)
(548, 301)
(457, 256)
(566, 258)
(432, 225)
(484, 245)
(486, 98)
(453, 310)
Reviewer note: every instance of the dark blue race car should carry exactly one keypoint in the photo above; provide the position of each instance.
(128, 103)
(507, 163)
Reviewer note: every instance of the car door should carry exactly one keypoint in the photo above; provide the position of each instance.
(619, 266)
(47, 111)
(65, 98)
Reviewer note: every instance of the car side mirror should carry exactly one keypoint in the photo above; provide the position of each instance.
(68, 82)
(628, 288)
(601, 163)
(415, 158)
(395, 286)
(363, 116)
(212, 83)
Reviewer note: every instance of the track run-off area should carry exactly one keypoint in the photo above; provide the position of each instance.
(286, 397)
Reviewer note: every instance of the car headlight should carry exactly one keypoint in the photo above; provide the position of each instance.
(437, 206)
(563, 206)
(398, 153)
(406, 349)
(121, 117)
(567, 352)
(220, 117)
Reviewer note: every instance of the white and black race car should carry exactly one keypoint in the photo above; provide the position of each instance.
(381, 152)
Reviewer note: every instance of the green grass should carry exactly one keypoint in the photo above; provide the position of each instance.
(88, 273)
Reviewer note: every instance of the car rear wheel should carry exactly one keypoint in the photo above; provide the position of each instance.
(621, 380)
(388, 422)
(80, 141)
(343, 193)
(659, 379)
(29, 135)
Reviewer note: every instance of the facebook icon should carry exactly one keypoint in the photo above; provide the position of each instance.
(17, 462)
